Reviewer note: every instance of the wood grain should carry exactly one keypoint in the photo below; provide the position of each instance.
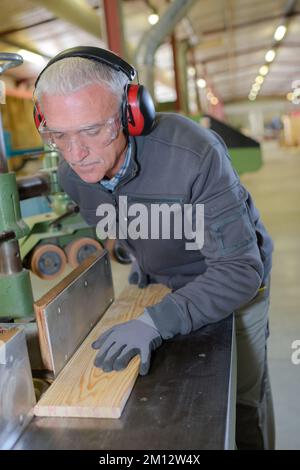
(82, 390)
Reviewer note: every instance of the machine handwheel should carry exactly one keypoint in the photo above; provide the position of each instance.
(78, 250)
(48, 261)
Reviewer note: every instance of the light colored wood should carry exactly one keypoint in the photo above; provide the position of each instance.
(82, 390)
(43, 337)
(7, 334)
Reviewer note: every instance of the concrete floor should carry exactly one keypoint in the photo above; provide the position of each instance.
(276, 191)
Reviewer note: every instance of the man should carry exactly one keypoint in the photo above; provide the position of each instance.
(82, 101)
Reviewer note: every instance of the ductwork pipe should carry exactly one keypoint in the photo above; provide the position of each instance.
(144, 56)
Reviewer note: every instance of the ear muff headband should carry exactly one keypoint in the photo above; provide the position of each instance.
(138, 112)
(97, 54)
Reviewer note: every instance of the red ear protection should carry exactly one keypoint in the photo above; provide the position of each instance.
(37, 115)
(138, 111)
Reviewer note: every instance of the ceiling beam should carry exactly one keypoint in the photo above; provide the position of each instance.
(248, 23)
(6, 32)
(23, 45)
(250, 50)
(257, 65)
(76, 12)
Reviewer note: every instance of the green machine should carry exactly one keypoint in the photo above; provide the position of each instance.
(58, 236)
(245, 152)
(16, 299)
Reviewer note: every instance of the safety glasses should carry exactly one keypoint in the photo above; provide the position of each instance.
(93, 136)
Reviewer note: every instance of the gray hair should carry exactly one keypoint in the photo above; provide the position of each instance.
(73, 73)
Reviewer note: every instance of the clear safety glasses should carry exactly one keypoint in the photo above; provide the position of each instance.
(96, 135)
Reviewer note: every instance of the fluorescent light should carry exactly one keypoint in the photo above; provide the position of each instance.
(259, 79)
(32, 57)
(251, 97)
(280, 32)
(201, 83)
(153, 18)
(264, 69)
(270, 55)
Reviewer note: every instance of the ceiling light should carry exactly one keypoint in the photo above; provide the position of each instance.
(290, 96)
(153, 18)
(251, 97)
(264, 69)
(191, 71)
(296, 96)
(270, 55)
(201, 83)
(214, 100)
(259, 79)
(280, 32)
(256, 87)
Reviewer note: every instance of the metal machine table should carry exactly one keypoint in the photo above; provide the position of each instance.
(187, 401)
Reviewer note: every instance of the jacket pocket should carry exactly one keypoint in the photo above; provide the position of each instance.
(155, 199)
(227, 222)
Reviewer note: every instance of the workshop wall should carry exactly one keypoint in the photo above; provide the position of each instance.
(18, 121)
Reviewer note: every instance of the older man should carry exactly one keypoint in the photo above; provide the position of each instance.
(114, 150)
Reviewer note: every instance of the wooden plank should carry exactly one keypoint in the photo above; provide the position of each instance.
(7, 333)
(43, 337)
(82, 390)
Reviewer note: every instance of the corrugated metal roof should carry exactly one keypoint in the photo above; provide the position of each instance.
(230, 39)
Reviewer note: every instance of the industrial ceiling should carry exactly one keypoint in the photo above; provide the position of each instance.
(227, 39)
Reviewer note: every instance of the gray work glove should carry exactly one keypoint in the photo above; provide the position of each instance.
(118, 345)
(137, 276)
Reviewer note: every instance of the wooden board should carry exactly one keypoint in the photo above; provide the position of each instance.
(82, 390)
(7, 333)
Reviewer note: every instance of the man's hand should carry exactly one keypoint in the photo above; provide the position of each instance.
(118, 345)
(137, 276)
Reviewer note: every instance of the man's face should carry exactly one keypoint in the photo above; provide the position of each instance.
(86, 123)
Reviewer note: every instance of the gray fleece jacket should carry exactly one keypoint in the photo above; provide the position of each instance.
(180, 162)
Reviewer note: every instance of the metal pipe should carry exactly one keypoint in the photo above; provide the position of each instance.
(114, 26)
(10, 258)
(144, 57)
(3, 160)
(10, 60)
(7, 235)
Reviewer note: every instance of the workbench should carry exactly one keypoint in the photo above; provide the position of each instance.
(187, 401)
